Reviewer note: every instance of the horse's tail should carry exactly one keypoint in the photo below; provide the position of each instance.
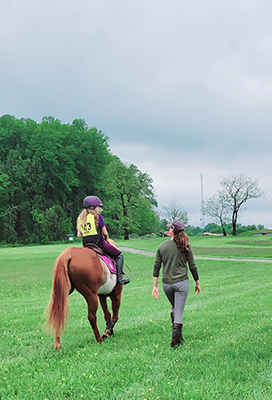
(58, 309)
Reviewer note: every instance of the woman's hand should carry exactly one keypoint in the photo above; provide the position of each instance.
(155, 292)
(197, 288)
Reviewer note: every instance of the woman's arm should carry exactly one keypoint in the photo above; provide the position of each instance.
(155, 291)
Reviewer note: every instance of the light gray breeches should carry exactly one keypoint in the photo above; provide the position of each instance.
(177, 294)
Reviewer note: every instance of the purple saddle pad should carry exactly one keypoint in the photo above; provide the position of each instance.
(109, 263)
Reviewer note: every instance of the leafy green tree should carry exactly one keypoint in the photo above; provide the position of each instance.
(9, 224)
(163, 225)
(90, 149)
(57, 223)
(213, 228)
(193, 230)
(24, 191)
(50, 225)
(130, 200)
(4, 184)
(39, 234)
(147, 220)
(48, 164)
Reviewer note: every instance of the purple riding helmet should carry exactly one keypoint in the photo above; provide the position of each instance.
(92, 201)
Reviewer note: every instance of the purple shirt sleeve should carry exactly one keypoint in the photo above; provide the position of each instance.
(101, 221)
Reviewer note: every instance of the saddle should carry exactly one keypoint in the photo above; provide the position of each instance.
(110, 261)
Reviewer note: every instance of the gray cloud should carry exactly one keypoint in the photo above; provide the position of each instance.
(186, 84)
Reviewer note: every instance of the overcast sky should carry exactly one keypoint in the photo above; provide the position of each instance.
(181, 88)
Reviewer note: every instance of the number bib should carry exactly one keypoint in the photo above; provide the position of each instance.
(89, 229)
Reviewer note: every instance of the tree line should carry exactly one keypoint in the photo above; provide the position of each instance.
(213, 207)
(46, 170)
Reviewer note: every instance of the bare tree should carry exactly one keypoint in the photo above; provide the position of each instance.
(175, 211)
(218, 209)
(237, 190)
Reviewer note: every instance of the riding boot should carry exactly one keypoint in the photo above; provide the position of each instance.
(119, 267)
(176, 335)
(172, 317)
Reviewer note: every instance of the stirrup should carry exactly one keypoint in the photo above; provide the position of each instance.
(124, 281)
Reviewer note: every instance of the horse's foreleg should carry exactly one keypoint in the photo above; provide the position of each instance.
(92, 302)
(107, 315)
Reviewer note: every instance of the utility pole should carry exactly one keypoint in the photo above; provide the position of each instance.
(202, 203)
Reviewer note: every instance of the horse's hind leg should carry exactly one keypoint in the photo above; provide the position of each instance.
(92, 302)
(115, 304)
(57, 343)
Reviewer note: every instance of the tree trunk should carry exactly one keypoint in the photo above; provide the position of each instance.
(222, 226)
(126, 235)
(18, 224)
(234, 222)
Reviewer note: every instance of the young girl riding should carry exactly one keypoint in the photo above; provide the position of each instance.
(91, 228)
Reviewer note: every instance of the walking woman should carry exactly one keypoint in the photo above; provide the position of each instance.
(174, 255)
(91, 228)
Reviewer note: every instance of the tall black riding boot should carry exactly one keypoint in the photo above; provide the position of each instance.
(176, 335)
(119, 267)
(172, 317)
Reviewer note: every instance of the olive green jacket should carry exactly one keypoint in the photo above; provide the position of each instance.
(174, 263)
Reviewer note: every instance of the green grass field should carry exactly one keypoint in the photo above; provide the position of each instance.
(227, 331)
(242, 246)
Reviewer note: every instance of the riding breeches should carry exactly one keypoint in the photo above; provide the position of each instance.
(108, 248)
(177, 294)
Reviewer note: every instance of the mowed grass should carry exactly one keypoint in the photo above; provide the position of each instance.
(227, 328)
(242, 246)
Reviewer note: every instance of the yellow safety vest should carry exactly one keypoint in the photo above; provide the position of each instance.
(89, 229)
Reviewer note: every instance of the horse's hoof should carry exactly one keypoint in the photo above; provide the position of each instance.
(108, 332)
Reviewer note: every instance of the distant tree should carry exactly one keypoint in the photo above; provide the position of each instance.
(193, 230)
(237, 190)
(218, 209)
(130, 199)
(213, 228)
(163, 225)
(50, 225)
(175, 211)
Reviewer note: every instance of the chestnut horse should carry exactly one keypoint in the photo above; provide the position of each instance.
(82, 269)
